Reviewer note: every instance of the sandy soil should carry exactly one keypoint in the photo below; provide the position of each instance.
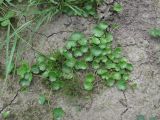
(109, 104)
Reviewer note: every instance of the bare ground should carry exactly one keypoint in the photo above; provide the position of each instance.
(109, 104)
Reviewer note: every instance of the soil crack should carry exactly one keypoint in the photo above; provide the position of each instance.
(125, 104)
(60, 32)
(10, 103)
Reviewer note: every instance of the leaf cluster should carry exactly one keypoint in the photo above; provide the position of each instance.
(81, 54)
(97, 53)
(25, 74)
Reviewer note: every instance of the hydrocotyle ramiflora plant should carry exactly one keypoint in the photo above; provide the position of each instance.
(90, 58)
(117, 7)
(25, 74)
(154, 32)
(58, 113)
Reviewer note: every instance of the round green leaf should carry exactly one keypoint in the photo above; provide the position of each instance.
(109, 37)
(125, 76)
(129, 67)
(98, 59)
(154, 32)
(104, 40)
(76, 36)
(24, 82)
(66, 69)
(103, 25)
(81, 65)
(67, 54)
(98, 32)
(78, 53)
(123, 59)
(42, 66)
(117, 7)
(24, 68)
(117, 52)
(28, 76)
(70, 62)
(45, 74)
(88, 58)
(35, 69)
(89, 10)
(107, 51)
(88, 86)
(110, 65)
(111, 57)
(121, 85)
(56, 85)
(89, 78)
(110, 82)
(95, 65)
(82, 41)
(5, 114)
(117, 68)
(52, 76)
(42, 100)
(96, 51)
(101, 71)
(105, 59)
(58, 113)
(116, 76)
(105, 76)
(68, 75)
(102, 46)
(70, 44)
(95, 40)
(84, 49)
(122, 65)
(5, 23)
(40, 59)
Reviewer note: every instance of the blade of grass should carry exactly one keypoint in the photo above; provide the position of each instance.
(7, 40)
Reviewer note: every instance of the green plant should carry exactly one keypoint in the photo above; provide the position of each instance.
(58, 113)
(88, 82)
(94, 54)
(6, 114)
(42, 100)
(25, 74)
(117, 7)
(12, 35)
(7, 15)
(70, 7)
(5, 20)
(154, 32)
(142, 117)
